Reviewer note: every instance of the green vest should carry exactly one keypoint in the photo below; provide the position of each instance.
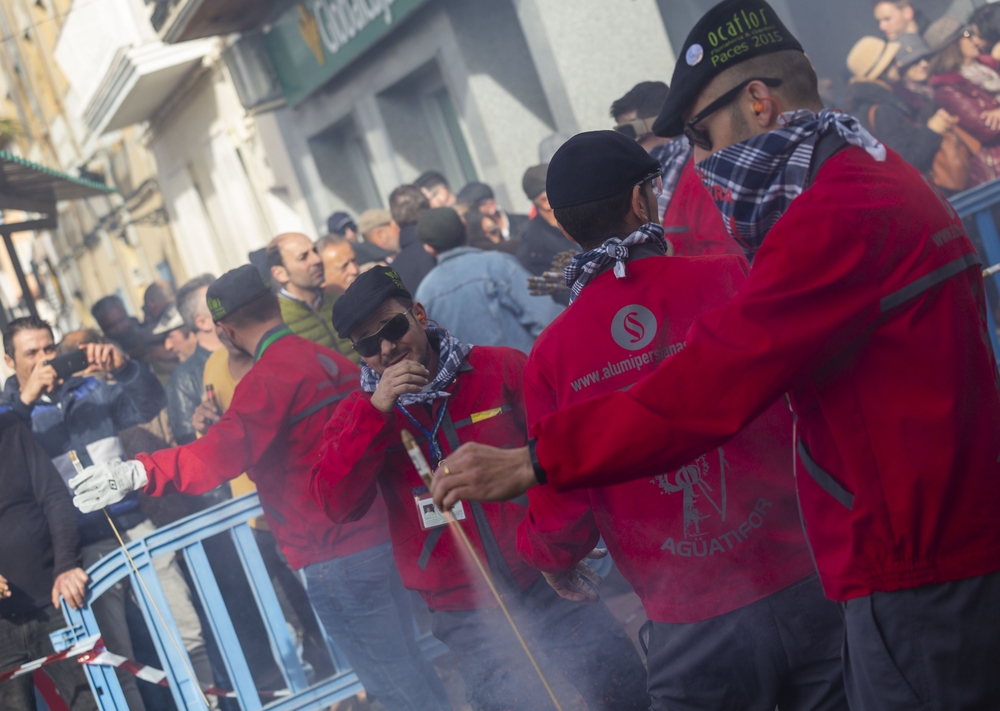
(316, 326)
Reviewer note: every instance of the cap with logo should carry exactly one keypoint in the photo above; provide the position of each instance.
(234, 290)
(730, 33)
(364, 296)
(370, 219)
(595, 165)
(168, 321)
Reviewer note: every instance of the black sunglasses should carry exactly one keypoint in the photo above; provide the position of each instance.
(702, 139)
(394, 329)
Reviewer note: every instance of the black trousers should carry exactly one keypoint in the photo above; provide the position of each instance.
(583, 641)
(782, 651)
(934, 648)
(26, 638)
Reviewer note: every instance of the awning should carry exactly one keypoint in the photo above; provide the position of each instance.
(35, 188)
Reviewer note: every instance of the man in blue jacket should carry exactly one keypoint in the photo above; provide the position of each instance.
(84, 413)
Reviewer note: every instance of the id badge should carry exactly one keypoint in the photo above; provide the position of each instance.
(430, 516)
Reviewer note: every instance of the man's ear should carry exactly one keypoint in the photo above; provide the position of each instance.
(229, 330)
(764, 106)
(204, 323)
(640, 207)
(420, 313)
(279, 274)
(9, 361)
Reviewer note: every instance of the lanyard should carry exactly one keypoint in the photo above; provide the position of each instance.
(436, 454)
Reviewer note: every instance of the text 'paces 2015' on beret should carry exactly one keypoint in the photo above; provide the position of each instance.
(731, 32)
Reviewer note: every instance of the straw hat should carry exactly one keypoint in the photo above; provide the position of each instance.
(871, 56)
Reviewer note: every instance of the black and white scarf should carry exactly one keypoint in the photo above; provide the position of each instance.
(753, 182)
(672, 157)
(451, 354)
(586, 265)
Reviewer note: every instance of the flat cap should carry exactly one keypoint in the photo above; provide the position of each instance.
(234, 290)
(441, 228)
(367, 293)
(533, 181)
(730, 33)
(595, 165)
(168, 321)
(370, 219)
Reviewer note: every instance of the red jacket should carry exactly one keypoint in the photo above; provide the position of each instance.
(272, 430)
(866, 304)
(716, 534)
(965, 100)
(692, 223)
(362, 448)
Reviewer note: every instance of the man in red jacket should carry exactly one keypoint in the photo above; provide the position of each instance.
(865, 305)
(272, 430)
(714, 548)
(418, 378)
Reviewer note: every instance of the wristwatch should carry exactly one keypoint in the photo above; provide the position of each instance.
(536, 466)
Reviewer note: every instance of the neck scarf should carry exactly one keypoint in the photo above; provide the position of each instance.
(451, 354)
(585, 266)
(673, 157)
(753, 182)
(982, 76)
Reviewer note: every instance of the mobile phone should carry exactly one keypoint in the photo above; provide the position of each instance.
(69, 363)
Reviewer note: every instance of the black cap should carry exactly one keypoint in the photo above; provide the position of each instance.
(730, 33)
(234, 290)
(475, 193)
(441, 228)
(533, 181)
(596, 165)
(338, 222)
(367, 293)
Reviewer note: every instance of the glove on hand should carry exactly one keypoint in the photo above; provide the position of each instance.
(104, 484)
(580, 582)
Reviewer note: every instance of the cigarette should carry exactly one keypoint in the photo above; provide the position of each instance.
(417, 457)
(77, 464)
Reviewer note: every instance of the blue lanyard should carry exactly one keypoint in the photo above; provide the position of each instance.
(436, 454)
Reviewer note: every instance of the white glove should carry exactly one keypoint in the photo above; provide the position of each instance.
(104, 484)
(580, 582)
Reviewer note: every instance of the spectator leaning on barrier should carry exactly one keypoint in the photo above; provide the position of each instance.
(273, 431)
(481, 297)
(39, 562)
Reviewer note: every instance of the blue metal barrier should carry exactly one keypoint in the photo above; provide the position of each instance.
(186, 535)
(975, 206)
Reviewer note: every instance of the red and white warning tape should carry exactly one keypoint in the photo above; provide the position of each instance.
(91, 651)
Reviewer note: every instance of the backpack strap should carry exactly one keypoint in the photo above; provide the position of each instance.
(827, 146)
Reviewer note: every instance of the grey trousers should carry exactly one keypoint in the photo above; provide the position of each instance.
(109, 609)
(783, 650)
(934, 648)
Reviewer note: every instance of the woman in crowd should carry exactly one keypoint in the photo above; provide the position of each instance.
(872, 97)
(484, 233)
(967, 85)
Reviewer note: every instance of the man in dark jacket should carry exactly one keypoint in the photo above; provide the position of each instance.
(413, 262)
(39, 563)
(84, 414)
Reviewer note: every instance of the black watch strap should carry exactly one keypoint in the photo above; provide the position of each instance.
(535, 464)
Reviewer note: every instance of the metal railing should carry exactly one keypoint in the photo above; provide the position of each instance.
(979, 208)
(186, 536)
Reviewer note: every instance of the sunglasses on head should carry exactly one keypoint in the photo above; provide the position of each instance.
(702, 139)
(636, 128)
(394, 329)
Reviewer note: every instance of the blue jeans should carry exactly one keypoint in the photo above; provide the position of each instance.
(361, 602)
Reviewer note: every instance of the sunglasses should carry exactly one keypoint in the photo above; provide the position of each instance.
(636, 128)
(394, 329)
(700, 138)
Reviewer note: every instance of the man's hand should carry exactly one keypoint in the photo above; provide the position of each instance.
(205, 415)
(105, 357)
(105, 484)
(407, 376)
(477, 472)
(43, 379)
(4, 588)
(580, 582)
(72, 585)
(547, 284)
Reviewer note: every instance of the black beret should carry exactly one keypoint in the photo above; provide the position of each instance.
(441, 228)
(367, 293)
(730, 33)
(234, 290)
(596, 165)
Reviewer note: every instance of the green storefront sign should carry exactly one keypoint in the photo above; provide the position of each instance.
(314, 40)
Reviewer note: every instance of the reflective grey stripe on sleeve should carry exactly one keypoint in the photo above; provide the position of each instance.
(429, 544)
(928, 281)
(299, 416)
(826, 482)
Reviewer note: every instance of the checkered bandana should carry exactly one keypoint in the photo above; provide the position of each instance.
(451, 352)
(587, 265)
(753, 182)
(673, 157)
